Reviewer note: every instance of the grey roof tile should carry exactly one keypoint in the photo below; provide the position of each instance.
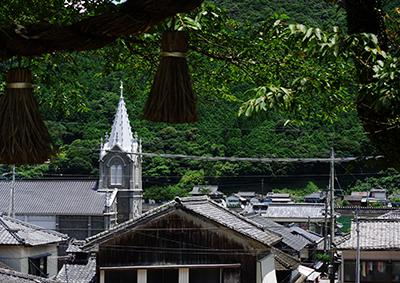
(11, 276)
(391, 214)
(230, 219)
(203, 206)
(283, 261)
(295, 210)
(78, 273)
(75, 246)
(311, 237)
(49, 197)
(287, 237)
(375, 234)
(16, 232)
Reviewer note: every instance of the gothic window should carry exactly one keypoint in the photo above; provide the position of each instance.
(116, 174)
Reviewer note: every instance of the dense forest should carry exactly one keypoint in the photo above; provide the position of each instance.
(219, 132)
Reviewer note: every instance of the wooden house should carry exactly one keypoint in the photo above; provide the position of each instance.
(190, 239)
(379, 243)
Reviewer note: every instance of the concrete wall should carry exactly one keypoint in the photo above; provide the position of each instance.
(17, 257)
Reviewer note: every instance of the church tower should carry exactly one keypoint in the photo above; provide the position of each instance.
(120, 168)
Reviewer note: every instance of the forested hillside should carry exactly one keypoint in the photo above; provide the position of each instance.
(219, 131)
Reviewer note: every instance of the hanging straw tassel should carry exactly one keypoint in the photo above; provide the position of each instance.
(24, 138)
(171, 98)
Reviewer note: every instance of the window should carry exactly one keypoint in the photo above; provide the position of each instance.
(396, 271)
(370, 271)
(38, 266)
(204, 275)
(120, 276)
(116, 174)
(163, 276)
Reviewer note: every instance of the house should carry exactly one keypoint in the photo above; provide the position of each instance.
(290, 243)
(12, 276)
(246, 195)
(356, 198)
(279, 198)
(84, 207)
(211, 191)
(378, 193)
(308, 253)
(305, 215)
(28, 248)
(191, 239)
(75, 207)
(379, 242)
(391, 214)
(234, 200)
(80, 267)
(315, 197)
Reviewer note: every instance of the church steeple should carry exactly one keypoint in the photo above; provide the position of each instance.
(120, 168)
(121, 132)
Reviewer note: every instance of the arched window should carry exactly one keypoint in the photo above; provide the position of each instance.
(116, 174)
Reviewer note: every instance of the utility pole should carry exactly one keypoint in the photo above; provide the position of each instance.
(326, 221)
(331, 267)
(358, 247)
(262, 189)
(11, 210)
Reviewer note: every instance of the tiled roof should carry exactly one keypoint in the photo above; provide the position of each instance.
(287, 237)
(16, 232)
(311, 237)
(246, 194)
(391, 214)
(10, 276)
(52, 196)
(5, 266)
(295, 210)
(205, 190)
(375, 234)
(315, 195)
(75, 246)
(283, 261)
(202, 206)
(78, 273)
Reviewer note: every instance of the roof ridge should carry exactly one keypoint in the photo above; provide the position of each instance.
(32, 226)
(247, 220)
(9, 230)
(25, 276)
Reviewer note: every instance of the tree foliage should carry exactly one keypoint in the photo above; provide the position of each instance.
(270, 69)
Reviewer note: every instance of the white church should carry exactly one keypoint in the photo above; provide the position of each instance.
(84, 207)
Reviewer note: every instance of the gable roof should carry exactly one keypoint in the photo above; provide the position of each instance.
(11, 276)
(295, 210)
(284, 261)
(375, 234)
(391, 214)
(287, 237)
(208, 190)
(309, 236)
(54, 196)
(16, 232)
(78, 273)
(201, 206)
(315, 195)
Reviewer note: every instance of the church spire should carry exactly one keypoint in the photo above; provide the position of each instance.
(121, 132)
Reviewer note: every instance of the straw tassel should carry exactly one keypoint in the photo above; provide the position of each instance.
(24, 138)
(171, 98)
